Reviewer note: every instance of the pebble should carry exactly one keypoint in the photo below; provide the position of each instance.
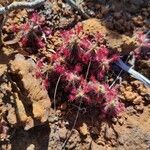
(129, 88)
(138, 21)
(121, 141)
(130, 125)
(137, 100)
(63, 106)
(130, 110)
(94, 131)
(121, 121)
(62, 133)
(139, 108)
(100, 142)
(84, 129)
(95, 146)
(52, 119)
(130, 96)
(114, 120)
(88, 139)
(109, 133)
(31, 147)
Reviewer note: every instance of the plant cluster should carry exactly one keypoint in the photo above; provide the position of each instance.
(32, 33)
(143, 49)
(81, 64)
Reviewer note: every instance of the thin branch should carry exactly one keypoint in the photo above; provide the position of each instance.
(1, 27)
(88, 69)
(65, 142)
(56, 87)
(73, 4)
(79, 108)
(5, 17)
(118, 76)
(21, 5)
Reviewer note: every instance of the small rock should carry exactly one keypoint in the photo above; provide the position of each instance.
(137, 100)
(71, 146)
(114, 120)
(113, 142)
(11, 117)
(129, 124)
(131, 110)
(130, 96)
(31, 147)
(100, 142)
(63, 106)
(52, 119)
(109, 133)
(63, 133)
(124, 83)
(95, 146)
(88, 139)
(121, 121)
(94, 131)
(121, 141)
(138, 21)
(129, 88)
(139, 108)
(84, 129)
(74, 140)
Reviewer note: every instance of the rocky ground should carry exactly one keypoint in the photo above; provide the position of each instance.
(28, 120)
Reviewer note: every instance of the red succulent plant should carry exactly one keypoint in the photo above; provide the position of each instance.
(82, 62)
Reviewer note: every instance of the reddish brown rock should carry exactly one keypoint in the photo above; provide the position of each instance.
(32, 100)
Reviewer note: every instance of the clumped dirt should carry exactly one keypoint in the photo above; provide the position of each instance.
(24, 101)
(114, 40)
(36, 97)
(123, 16)
(27, 119)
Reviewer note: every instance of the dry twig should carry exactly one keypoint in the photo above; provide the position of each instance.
(73, 4)
(21, 5)
(77, 115)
